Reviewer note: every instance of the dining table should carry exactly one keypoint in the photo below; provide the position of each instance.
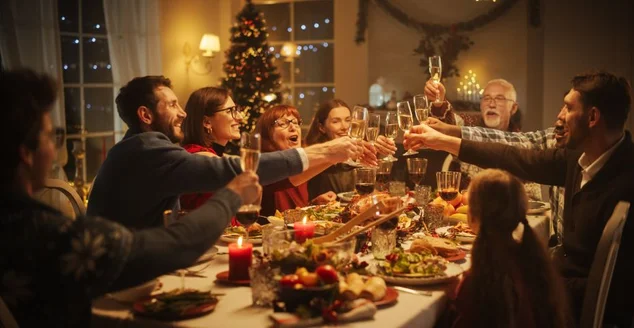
(235, 306)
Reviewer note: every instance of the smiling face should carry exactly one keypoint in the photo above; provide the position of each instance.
(575, 120)
(222, 124)
(337, 123)
(169, 115)
(561, 132)
(289, 137)
(497, 114)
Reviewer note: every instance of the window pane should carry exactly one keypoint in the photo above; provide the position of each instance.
(92, 17)
(96, 150)
(308, 99)
(70, 166)
(283, 66)
(72, 107)
(70, 59)
(278, 20)
(314, 20)
(97, 68)
(315, 63)
(68, 11)
(99, 109)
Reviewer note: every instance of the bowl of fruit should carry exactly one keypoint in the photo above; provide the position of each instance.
(454, 210)
(308, 292)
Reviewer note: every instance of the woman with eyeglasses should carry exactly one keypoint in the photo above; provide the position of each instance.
(213, 119)
(280, 129)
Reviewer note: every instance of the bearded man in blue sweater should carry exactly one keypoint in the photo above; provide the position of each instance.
(145, 173)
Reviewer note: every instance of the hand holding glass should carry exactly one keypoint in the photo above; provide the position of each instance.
(249, 160)
(435, 70)
(391, 131)
(405, 121)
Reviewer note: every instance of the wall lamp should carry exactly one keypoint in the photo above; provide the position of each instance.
(201, 63)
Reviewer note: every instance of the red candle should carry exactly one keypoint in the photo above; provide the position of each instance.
(304, 230)
(239, 260)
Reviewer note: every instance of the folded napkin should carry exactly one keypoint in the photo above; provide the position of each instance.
(362, 309)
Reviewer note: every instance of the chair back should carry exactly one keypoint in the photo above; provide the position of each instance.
(602, 268)
(447, 163)
(6, 318)
(68, 191)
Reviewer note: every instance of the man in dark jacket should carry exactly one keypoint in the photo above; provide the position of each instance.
(597, 172)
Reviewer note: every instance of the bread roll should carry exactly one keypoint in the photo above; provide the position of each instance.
(374, 289)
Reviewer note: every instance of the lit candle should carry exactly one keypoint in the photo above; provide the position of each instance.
(239, 260)
(304, 230)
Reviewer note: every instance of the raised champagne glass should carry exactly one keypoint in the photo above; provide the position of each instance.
(250, 145)
(405, 121)
(358, 124)
(391, 131)
(435, 70)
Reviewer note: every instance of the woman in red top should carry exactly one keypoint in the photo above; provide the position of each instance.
(212, 121)
(512, 283)
(280, 129)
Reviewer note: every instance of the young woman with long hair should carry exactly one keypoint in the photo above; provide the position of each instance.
(512, 283)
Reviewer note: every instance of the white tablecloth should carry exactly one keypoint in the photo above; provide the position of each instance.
(235, 310)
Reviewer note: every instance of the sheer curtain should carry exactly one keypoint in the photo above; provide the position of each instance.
(29, 37)
(133, 41)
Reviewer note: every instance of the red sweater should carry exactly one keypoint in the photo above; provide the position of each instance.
(282, 196)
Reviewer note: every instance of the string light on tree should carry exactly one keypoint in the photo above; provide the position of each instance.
(250, 73)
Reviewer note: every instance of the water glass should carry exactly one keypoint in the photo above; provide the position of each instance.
(267, 232)
(422, 195)
(397, 188)
(263, 283)
(383, 242)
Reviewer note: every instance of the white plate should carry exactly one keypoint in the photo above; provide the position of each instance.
(453, 270)
(234, 239)
(346, 196)
(461, 237)
(535, 207)
(209, 255)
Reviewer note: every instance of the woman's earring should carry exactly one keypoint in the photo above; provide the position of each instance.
(208, 130)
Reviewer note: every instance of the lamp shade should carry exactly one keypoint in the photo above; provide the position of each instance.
(209, 44)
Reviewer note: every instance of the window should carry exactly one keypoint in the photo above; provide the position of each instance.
(88, 88)
(308, 27)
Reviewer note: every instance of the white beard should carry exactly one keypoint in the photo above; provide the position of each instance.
(492, 122)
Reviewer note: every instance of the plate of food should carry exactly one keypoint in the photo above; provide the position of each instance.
(177, 304)
(446, 248)
(535, 207)
(326, 212)
(416, 269)
(374, 289)
(232, 234)
(460, 232)
(347, 196)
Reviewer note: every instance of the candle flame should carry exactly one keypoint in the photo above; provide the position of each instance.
(305, 219)
(240, 241)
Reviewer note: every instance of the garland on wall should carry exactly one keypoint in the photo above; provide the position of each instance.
(447, 40)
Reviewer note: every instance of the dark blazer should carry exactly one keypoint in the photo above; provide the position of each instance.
(586, 211)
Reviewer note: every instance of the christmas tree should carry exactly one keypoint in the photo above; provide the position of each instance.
(250, 73)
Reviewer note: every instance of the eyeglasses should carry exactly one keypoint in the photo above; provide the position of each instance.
(236, 112)
(285, 123)
(497, 100)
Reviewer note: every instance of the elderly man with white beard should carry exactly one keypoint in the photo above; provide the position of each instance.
(500, 111)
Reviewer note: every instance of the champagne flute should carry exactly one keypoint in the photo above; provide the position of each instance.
(391, 131)
(249, 160)
(435, 70)
(358, 123)
(374, 125)
(405, 121)
(421, 108)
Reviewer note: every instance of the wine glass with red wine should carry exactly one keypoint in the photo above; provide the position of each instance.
(448, 184)
(364, 180)
(250, 145)
(416, 168)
